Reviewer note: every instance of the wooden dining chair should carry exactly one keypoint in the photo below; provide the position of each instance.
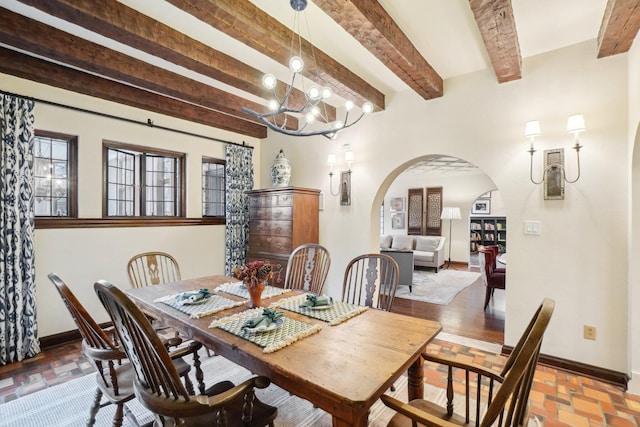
(152, 268)
(157, 383)
(371, 280)
(114, 375)
(101, 347)
(308, 268)
(501, 398)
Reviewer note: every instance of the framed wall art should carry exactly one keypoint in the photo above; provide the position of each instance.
(397, 221)
(481, 206)
(396, 204)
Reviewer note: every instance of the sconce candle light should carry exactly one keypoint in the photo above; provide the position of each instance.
(575, 125)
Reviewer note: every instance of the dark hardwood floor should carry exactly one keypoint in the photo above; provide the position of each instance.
(464, 316)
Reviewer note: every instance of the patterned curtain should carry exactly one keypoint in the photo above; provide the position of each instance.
(18, 327)
(239, 178)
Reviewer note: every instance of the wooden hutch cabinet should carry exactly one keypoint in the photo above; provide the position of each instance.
(280, 220)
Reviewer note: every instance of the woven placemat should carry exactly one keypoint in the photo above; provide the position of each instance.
(338, 313)
(291, 330)
(238, 289)
(205, 307)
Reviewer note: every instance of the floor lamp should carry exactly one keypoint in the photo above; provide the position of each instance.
(450, 214)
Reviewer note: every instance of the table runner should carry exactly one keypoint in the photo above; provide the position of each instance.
(205, 307)
(238, 289)
(291, 331)
(338, 313)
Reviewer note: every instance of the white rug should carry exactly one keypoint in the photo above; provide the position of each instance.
(68, 404)
(437, 288)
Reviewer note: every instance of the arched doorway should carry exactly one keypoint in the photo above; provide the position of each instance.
(461, 184)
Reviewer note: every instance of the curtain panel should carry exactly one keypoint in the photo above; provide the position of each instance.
(239, 181)
(18, 326)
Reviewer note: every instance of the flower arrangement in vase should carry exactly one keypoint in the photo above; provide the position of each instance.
(255, 275)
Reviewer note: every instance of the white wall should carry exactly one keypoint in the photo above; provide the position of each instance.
(580, 260)
(82, 256)
(634, 217)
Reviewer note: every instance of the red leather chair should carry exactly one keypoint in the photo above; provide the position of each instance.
(496, 251)
(492, 279)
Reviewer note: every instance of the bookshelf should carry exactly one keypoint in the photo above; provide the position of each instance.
(488, 231)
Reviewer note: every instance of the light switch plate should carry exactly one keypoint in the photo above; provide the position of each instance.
(532, 228)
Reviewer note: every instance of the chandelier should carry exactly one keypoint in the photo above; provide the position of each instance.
(313, 110)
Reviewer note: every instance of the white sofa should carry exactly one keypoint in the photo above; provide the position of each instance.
(428, 251)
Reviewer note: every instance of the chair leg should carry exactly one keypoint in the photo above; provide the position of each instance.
(94, 408)
(199, 374)
(117, 418)
(188, 384)
(487, 297)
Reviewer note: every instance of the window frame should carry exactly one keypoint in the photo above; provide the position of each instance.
(206, 159)
(181, 209)
(72, 175)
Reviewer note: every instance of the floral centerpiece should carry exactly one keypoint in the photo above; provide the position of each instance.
(255, 272)
(254, 275)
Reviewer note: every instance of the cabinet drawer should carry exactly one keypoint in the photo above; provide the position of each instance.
(270, 200)
(277, 213)
(274, 244)
(275, 228)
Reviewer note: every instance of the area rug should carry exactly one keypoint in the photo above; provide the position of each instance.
(437, 288)
(67, 404)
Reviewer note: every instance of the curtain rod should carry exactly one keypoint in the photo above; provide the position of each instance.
(148, 123)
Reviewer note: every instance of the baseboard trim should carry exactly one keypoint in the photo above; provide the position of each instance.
(605, 375)
(64, 337)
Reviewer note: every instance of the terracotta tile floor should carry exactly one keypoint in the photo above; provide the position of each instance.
(558, 399)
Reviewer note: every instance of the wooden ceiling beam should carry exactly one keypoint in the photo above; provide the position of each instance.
(498, 30)
(247, 23)
(130, 27)
(38, 38)
(38, 70)
(619, 27)
(371, 25)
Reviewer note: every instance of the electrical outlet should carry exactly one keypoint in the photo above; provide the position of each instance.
(589, 332)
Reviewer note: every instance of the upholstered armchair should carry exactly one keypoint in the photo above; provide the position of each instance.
(492, 278)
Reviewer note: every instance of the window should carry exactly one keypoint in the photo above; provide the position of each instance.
(213, 187)
(143, 182)
(55, 174)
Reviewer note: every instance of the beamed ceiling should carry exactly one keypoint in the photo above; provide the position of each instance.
(202, 60)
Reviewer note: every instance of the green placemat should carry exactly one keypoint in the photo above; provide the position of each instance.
(336, 314)
(238, 289)
(205, 307)
(291, 330)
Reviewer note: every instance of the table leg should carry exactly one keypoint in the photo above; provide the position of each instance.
(415, 381)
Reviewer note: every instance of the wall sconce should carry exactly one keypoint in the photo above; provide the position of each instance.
(344, 187)
(554, 172)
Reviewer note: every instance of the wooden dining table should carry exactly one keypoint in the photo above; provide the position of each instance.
(342, 369)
